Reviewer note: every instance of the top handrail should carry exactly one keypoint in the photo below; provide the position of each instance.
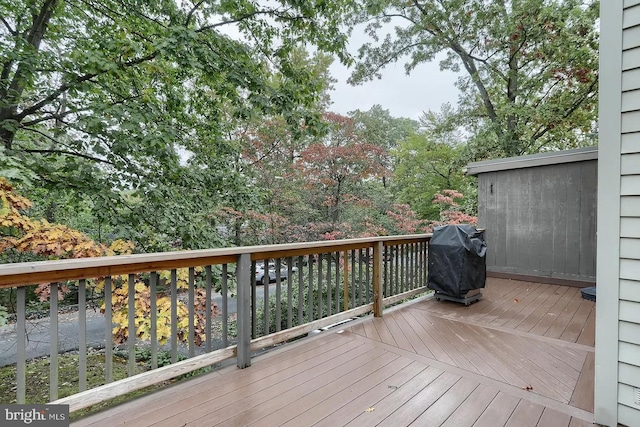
(29, 273)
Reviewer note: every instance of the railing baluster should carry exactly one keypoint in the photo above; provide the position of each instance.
(368, 284)
(300, 291)
(21, 337)
(360, 256)
(310, 291)
(225, 308)
(82, 335)
(378, 303)
(354, 301)
(192, 313)
(174, 316)
(397, 268)
(278, 294)
(153, 307)
(385, 276)
(425, 272)
(53, 352)
(245, 273)
(337, 290)
(403, 266)
(254, 302)
(289, 292)
(411, 268)
(108, 331)
(345, 296)
(207, 308)
(329, 287)
(320, 299)
(131, 338)
(266, 279)
(420, 262)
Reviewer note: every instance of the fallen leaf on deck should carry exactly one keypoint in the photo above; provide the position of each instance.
(371, 409)
(516, 300)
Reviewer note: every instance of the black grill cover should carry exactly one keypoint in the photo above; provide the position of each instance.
(457, 260)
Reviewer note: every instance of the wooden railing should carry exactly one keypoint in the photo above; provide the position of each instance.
(271, 294)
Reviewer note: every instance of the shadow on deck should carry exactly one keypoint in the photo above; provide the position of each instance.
(522, 356)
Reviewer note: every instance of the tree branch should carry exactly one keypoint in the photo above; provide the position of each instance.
(539, 134)
(70, 153)
(6, 24)
(192, 11)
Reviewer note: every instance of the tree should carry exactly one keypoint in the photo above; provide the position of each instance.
(377, 126)
(425, 167)
(530, 66)
(334, 167)
(130, 103)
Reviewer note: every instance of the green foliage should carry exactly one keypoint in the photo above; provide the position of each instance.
(133, 105)
(529, 67)
(425, 167)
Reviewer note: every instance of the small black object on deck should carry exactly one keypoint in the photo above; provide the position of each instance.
(589, 293)
(457, 263)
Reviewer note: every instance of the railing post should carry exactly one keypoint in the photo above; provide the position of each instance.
(378, 305)
(243, 275)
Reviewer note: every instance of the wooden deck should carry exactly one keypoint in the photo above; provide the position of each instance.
(522, 356)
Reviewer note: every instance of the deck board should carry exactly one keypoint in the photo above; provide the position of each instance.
(423, 363)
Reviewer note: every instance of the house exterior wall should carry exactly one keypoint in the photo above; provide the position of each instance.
(617, 377)
(539, 213)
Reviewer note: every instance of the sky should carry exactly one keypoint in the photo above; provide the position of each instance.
(426, 88)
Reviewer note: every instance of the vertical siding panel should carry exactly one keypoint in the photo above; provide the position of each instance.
(501, 198)
(588, 217)
(535, 198)
(559, 178)
(574, 194)
(547, 228)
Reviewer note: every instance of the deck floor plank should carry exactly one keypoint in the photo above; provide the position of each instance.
(536, 301)
(498, 412)
(353, 400)
(383, 331)
(583, 394)
(553, 418)
(398, 334)
(588, 334)
(414, 407)
(430, 344)
(510, 309)
(573, 330)
(532, 320)
(423, 363)
(526, 414)
(437, 413)
(256, 391)
(369, 399)
(380, 410)
(309, 393)
(543, 326)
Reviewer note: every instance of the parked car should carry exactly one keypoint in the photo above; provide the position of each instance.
(284, 273)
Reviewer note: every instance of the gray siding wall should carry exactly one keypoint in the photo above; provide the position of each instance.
(541, 221)
(629, 308)
(617, 380)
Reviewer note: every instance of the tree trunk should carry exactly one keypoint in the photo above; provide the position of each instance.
(11, 94)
